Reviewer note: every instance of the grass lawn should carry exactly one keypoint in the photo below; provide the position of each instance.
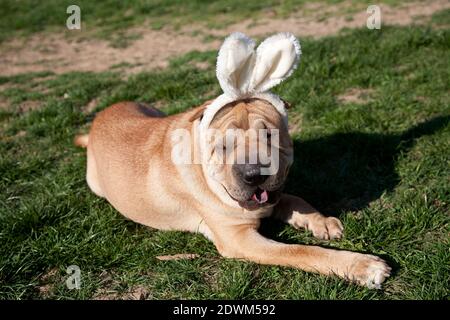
(372, 140)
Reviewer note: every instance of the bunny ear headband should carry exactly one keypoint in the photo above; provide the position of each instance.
(245, 73)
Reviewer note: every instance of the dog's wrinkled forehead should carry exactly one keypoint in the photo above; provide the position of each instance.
(238, 114)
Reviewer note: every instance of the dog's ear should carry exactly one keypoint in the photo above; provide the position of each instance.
(198, 114)
(235, 64)
(276, 59)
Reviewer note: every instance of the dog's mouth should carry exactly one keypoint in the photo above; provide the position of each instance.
(260, 198)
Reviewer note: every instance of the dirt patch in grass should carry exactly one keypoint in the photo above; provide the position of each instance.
(179, 256)
(134, 293)
(104, 294)
(29, 105)
(109, 289)
(6, 86)
(4, 104)
(355, 95)
(153, 50)
(25, 106)
(46, 283)
(60, 53)
(137, 293)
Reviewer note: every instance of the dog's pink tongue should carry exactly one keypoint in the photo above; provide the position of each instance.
(263, 197)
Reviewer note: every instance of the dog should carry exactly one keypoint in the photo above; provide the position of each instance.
(129, 162)
(171, 173)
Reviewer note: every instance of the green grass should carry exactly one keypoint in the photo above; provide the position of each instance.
(381, 165)
(441, 18)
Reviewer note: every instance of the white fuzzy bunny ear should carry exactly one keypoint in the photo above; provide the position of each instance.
(276, 59)
(235, 64)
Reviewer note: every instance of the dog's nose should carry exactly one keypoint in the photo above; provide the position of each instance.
(251, 174)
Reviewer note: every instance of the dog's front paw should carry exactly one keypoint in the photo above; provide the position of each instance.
(369, 271)
(325, 228)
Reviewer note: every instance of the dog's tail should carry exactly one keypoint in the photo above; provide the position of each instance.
(81, 140)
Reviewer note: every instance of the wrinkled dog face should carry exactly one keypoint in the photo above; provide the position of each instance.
(250, 152)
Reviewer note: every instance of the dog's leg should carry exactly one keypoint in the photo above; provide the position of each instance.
(91, 175)
(244, 242)
(298, 213)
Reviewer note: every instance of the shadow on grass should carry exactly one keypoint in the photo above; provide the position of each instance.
(346, 171)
